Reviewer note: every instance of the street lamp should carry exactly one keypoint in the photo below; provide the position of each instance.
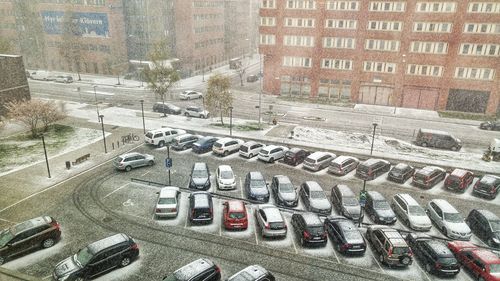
(45, 152)
(373, 136)
(230, 121)
(143, 123)
(96, 105)
(261, 77)
(101, 117)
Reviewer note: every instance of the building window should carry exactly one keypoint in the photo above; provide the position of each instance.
(336, 64)
(301, 4)
(376, 66)
(267, 21)
(382, 45)
(268, 4)
(339, 42)
(342, 5)
(337, 90)
(385, 25)
(429, 47)
(436, 7)
(436, 27)
(267, 39)
(297, 62)
(484, 7)
(488, 50)
(299, 41)
(475, 73)
(386, 6)
(298, 22)
(424, 70)
(341, 24)
(486, 28)
(295, 86)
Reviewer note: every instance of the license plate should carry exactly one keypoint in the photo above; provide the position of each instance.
(356, 247)
(317, 238)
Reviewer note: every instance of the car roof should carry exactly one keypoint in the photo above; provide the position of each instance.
(342, 158)
(194, 268)
(256, 175)
(270, 147)
(445, 206)
(489, 179)
(225, 168)
(107, 242)
(345, 190)
(169, 191)
(372, 161)
(200, 166)
(29, 224)
(439, 248)
(249, 143)
(255, 271)
(272, 213)
(311, 218)
(459, 172)
(375, 195)
(160, 130)
(394, 236)
(490, 216)
(316, 155)
(408, 199)
(283, 179)
(236, 205)
(431, 131)
(295, 149)
(130, 154)
(201, 198)
(401, 166)
(224, 140)
(314, 186)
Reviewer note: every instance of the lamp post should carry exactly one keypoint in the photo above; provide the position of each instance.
(96, 105)
(143, 122)
(261, 77)
(230, 121)
(373, 136)
(46, 158)
(101, 117)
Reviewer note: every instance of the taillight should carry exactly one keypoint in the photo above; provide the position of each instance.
(135, 246)
(55, 224)
(267, 226)
(306, 235)
(492, 191)
(389, 253)
(370, 172)
(173, 210)
(437, 266)
(410, 253)
(192, 213)
(217, 268)
(323, 235)
(346, 246)
(211, 212)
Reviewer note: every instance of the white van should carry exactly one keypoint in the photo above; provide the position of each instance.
(160, 137)
(42, 75)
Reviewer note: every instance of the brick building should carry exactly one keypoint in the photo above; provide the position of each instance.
(13, 82)
(438, 55)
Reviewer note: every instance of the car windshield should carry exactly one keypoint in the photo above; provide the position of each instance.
(226, 175)
(218, 144)
(416, 211)
(495, 226)
(381, 205)
(200, 174)
(237, 215)
(495, 269)
(286, 188)
(317, 194)
(453, 217)
(448, 261)
(165, 201)
(149, 135)
(350, 201)
(5, 237)
(264, 152)
(83, 256)
(257, 184)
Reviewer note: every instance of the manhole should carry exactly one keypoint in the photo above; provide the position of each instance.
(107, 219)
(313, 118)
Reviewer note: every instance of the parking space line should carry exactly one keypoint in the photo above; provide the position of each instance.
(46, 277)
(145, 173)
(186, 224)
(241, 187)
(376, 261)
(423, 271)
(135, 216)
(116, 190)
(335, 253)
(8, 221)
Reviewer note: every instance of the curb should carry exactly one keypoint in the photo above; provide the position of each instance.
(11, 275)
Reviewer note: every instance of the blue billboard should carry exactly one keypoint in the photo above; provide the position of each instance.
(89, 24)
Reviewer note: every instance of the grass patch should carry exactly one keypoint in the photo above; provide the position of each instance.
(466, 115)
(318, 101)
(250, 126)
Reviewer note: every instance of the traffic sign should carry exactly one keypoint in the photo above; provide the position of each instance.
(168, 163)
(362, 198)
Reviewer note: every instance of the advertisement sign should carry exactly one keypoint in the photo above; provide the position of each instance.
(89, 24)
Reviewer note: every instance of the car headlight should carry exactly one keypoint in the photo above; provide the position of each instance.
(496, 240)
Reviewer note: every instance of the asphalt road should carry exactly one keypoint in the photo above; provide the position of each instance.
(104, 201)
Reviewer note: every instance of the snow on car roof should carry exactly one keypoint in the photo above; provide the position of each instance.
(272, 213)
(107, 242)
(169, 191)
(343, 158)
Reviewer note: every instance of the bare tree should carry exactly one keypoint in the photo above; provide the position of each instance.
(35, 114)
(218, 98)
(70, 45)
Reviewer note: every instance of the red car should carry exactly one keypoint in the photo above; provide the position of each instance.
(235, 215)
(482, 263)
(459, 180)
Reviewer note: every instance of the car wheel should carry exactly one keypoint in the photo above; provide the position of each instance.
(2, 260)
(186, 114)
(125, 261)
(271, 160)
(250, 156)
(428, 268)
(47, 243)
(128, 168)
(151, 163)
(226, 153)
(161, 144)
(445, 232)
(424, 144)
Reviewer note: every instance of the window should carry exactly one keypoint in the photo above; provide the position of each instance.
(383, 67)
(487, 28)
(297, 62)
(341, 24)
(342, 5)
(429, 47)
(298, 22)
(267, 39)
(386, 6)
(436, 7)
(436, 27)
(484, 7)
(336, 64)
(339, 43)
(382, 45)
(268, 4)
(301, 4)
(474, 73)
(385, 25)
(489, 50)
(300, 41)
(267, 21)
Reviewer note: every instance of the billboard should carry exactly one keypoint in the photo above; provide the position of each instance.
(89, 24)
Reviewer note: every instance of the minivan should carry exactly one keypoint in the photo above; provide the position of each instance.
(437, 139)
(343, 165)
(201, 208)
(318, 160)
(372, 168)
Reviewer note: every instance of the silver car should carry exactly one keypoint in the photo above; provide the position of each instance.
(314, 198)
(270, 221)
(167, 205)
(448, 220)
(128, 161)
(410, 212)
(190, 95)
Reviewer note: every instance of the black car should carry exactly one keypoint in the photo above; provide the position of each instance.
(37, 233)
(378, 209)
(284, 192)
(372, 168)
(253, 273)
(345, 202)
(201, 208)
(166, 108)
(486, 225)
(345, 235)
(433, 254)
(200, 176)
(487, 186)
(256, 187)
(204, 144)
(97, 258)
(314, 198)
(490, 125)
(198, 270)
(310, 230)
(401, 173)
(295, 156)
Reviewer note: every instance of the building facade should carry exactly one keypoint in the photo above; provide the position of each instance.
(13, 81)
(438, 55)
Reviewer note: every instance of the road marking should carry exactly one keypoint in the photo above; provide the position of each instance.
(8, 221)
(241, 187)
(135, 216)
(376, 261)
(46, 277)
(116, 190)
(423, 271)
(335, 253)
(145, 173)
(100, 93)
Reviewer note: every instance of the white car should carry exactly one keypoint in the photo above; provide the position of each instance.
(448, 219)
(190, 95)
(272, 153)
(226, 146)
(250, 149)
(410, 212)
(167, 205)
(225, 177)
(161, 137)
(196, 111)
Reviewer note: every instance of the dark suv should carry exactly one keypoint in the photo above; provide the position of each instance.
(284, 192)
(434, 255)
(486, 225)
(428, 176)
(200, 176)
(256, 187)
(295, 156)
(372, 168)
(401, 173)
(310, 229)
(42, 232)
(97, 258)
(204, 144)
(201, 207)
(166, 108)
(389, 245)
(378, 209)
(198, 270)
(488, 186)
(345, 235)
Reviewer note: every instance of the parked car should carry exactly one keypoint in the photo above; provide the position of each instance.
(318, 160)
(270, 221)
(250, 149)
(225, 178)
(234, 215)
(428, 176)
(167, 204)
(433, 254)
(345, 236)
(345, 202)
(487, 186)
(481, 263)
(438, 139)
(167, 108)
(490, 125)
(204, 144)
(97, 258)
(343, 165)
(253, 273)
(389, 246)
(448, 219)
(184, 142)
(226, 146)
(199, 270)
(378, 209)
(196, 111)
(314, 198)
(201, 208)
(410, 212)
(64, 79)
(372, 168)
(200, 176)
(256, 187)
(42, 75)
(22, 238)
(163, 136)
(131, 160)
(190, 95)
(295, 156)
(401, 173)
(272, 153)
(310, 230)
(459, 180)
(284, 192)
(486, 226)
(252, 78)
